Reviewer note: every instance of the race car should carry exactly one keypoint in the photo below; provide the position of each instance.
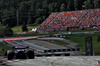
(20, 52)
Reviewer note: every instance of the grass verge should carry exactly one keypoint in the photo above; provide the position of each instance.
(5, 47)
(80, 39)
(59, 42)
(18, 29)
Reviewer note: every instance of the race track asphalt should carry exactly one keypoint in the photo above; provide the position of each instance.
(58, 61)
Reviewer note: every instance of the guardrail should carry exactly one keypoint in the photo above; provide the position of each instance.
(49, 55)
(62, 50)
(7, 43)
(50, 38)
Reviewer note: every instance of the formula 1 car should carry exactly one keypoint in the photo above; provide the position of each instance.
(20, 52)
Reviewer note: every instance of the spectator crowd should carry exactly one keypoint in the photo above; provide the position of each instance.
(71, 20)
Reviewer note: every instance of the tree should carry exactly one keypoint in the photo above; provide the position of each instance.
(5, 31)
(8, 18)
(56, 7)
(38, 8)
(38, 20)
(45, 4)
(23, 7)
(44, 17)
(97, 3)
(51, 8)
(45, 8)
(8, 31)
(4, 21)
(29, 21)
(76, 2)
(24, 28)
(2, 31)
(70, 5)
(39, 12)
(33, 5)
(23, 11)
(62, 8)
(1, 4)
(89, 4)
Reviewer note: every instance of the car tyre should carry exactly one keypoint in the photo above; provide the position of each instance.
(10, 55)
(30, 54)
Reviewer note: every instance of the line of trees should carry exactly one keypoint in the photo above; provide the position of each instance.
(5, 31)
(36, 11)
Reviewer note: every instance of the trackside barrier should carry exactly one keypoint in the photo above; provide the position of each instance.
(5, 42)
(61, 50)
(49, 55)
(8, 61)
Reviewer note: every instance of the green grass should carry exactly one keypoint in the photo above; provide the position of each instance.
(73, 31)
(5, 47)
(59, 42)
(77, 39)
(80, 39)
(31, 34)
(18, 29)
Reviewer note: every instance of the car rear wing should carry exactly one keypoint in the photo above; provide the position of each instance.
(20, 47)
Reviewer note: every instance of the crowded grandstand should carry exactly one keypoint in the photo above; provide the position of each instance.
(71, 20)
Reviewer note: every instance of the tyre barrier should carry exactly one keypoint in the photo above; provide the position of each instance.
(49, 55)
(61, 50)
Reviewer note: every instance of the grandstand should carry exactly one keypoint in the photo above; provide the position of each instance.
(71, 20)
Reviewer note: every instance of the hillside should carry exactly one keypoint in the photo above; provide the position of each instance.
(17, 12)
